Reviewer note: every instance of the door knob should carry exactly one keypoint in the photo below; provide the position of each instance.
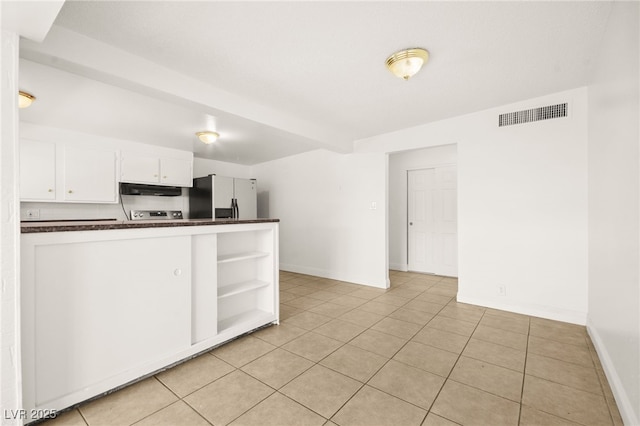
(410, 223)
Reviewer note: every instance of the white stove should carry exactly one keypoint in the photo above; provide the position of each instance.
(156, 214)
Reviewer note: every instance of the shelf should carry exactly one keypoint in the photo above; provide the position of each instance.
(250, 316)
(234, 257)
(233, 289)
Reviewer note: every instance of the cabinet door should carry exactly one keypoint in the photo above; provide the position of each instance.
(102, 308)
(176, 172)
(37, 171)
(90, 175)
(138, 168)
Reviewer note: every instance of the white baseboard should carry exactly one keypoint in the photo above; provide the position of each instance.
(625, 406)
(534, 310)
(306, 270)
(402, 267)
(329, 274)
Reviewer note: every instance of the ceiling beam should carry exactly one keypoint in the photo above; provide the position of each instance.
(30, 19)
(76, 53)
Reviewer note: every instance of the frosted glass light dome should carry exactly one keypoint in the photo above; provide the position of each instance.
(407, 63)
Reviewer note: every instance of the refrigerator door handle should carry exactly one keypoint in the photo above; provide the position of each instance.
(237, 210)
(234, 208)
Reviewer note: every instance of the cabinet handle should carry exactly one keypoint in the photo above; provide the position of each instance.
(177, 272)
(164, 177)
(49, 190)
(70, 192)
(155, 175)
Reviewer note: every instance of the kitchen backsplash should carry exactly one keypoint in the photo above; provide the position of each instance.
(62, 211)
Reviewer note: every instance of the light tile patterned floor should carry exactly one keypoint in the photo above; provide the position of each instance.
(346, 354)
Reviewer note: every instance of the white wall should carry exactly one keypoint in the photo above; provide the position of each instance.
(614, 188)
(399, 164)
(204, 167)
(10, 355)
(327, 226)
(522, 212)
(522, 194)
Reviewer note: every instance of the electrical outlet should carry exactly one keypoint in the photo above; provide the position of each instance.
(33, 214)
(502, 290)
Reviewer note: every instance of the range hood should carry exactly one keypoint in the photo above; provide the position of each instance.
(142, 189)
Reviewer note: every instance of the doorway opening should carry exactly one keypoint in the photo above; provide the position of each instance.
(442, 160)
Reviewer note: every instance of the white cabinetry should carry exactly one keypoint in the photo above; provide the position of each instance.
(239, 292)
(176, 171)
(60, 172)
(245, 277)
(149, 168)
(37, 170)
(99, 308)
(90, 175)
(102, 308)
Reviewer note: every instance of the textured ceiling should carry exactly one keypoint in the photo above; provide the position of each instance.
(324, 61)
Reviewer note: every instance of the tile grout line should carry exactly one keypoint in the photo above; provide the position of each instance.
(366, 383)
(314, 285)
(524, 373)
(363, 384)
(422, 328)
(452, 368)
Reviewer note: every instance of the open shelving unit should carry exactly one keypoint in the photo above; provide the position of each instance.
(235, 257)
(239, 288)
(246, 278)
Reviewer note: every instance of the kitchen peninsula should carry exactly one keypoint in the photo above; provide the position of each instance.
(105, 303)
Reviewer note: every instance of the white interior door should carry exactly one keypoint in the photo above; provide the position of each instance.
(432, 221)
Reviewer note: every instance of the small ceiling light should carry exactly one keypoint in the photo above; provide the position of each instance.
(25, 99)
(406, 63)
(208, 137)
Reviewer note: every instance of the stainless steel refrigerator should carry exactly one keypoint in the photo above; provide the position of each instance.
(223, 197)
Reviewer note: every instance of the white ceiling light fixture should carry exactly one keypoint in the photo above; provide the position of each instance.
(208, 137)
(406, 63)
(25, 99)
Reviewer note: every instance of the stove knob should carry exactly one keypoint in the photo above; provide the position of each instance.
(141, 214)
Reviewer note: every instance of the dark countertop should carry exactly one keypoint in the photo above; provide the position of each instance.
(28, 227)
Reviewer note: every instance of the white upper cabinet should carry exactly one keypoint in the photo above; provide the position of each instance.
(58, 172)
(175, 171)
(152, 169)
(61, 166)
(37, 170)
(90, 176)
(139, 168)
